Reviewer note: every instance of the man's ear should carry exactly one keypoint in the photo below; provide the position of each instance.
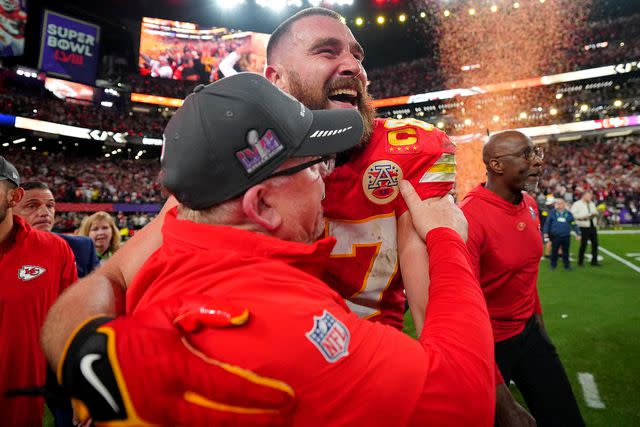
(274, 74)
(259, 210)
(496, 166)
(15, 196)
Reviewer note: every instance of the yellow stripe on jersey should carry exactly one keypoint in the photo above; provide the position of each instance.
(443, 170)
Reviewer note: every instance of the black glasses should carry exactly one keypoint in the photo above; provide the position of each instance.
(327, 165)
(529, 154)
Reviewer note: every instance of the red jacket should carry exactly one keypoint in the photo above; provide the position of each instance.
(344, 370)
(35, 267)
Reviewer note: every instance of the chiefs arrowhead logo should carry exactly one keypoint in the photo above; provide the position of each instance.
(29, 272)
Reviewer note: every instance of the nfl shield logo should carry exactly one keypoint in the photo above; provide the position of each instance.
(329, 336)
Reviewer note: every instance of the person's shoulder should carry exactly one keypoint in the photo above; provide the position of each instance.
(46, 240)
(78, 240)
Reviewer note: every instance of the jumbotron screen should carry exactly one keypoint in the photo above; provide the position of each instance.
(184, 51)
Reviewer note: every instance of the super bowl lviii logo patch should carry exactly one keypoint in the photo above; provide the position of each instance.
(380, 181)
(329, 336)
(29, 272)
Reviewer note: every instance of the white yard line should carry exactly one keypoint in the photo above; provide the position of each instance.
(618, 231)
(590, 390)
(622, 260)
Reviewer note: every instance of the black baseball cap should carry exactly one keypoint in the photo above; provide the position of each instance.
(233, 134)
(9, 172)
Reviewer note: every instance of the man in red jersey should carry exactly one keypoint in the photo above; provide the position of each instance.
(505, 247)
(34, 269)
(314, 57)
(237, 280)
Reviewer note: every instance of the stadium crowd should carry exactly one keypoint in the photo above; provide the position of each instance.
(620, 34)
(610, 167)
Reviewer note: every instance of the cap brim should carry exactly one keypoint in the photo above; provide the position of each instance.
(331, 132)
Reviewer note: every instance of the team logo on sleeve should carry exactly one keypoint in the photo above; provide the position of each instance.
(380, 181)
(329, 336)
(30, 272)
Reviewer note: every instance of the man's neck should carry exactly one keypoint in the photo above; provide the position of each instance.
(6, 228)
(503, 192)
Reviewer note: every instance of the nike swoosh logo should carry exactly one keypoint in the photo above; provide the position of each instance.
(87, 370)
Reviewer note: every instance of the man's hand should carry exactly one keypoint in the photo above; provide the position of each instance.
(508, 412)
(130, 371)
(433, 213)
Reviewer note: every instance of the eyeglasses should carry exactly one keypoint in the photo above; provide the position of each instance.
(529, 154)
(326, 165)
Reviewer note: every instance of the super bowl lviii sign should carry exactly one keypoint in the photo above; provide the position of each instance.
(70, 48)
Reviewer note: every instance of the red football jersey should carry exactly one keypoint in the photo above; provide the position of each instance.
(34, 269)
(364, 203)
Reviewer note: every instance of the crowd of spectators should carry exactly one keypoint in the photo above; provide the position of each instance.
(599, 43)
(610, 167)
(128, 223)
(85, 179)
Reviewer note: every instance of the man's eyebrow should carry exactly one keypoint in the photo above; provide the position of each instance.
(333, 41)
(327, 41)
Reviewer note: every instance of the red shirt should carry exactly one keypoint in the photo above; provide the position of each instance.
(505, 245)
(363, 205)
(344, 370)
(35, 267)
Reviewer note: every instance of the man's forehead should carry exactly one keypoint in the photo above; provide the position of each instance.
(311, 29)
(37, 194)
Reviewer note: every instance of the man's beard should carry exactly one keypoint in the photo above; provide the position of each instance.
(319, 99)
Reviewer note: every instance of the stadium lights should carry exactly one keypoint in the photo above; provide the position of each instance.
(229, 4)
(541, 1)
(380, 19)
(496, 119)
(523, 115)
(494, 8)
(6, 144)
(553, 111)
(584, 107)
(19, 140)
(402, 17)
(423, 15)
(621, 44)
(33, 148)
(467, 122)
(472, 11)
(516, 5)
(559, 96)
(359, 21)
(278, 5)
(617, 103)
(447, 13)
(440, 125)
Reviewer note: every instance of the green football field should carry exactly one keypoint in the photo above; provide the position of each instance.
(593, 317)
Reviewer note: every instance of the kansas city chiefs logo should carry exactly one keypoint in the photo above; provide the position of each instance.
(29, 272)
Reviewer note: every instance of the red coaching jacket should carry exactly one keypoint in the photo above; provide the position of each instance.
(344, 370)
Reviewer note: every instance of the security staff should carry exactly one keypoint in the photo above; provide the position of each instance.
(558, 228)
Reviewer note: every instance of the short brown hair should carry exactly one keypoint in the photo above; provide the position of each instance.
(284, 28)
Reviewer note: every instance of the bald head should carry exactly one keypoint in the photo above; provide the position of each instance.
(503, 143)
